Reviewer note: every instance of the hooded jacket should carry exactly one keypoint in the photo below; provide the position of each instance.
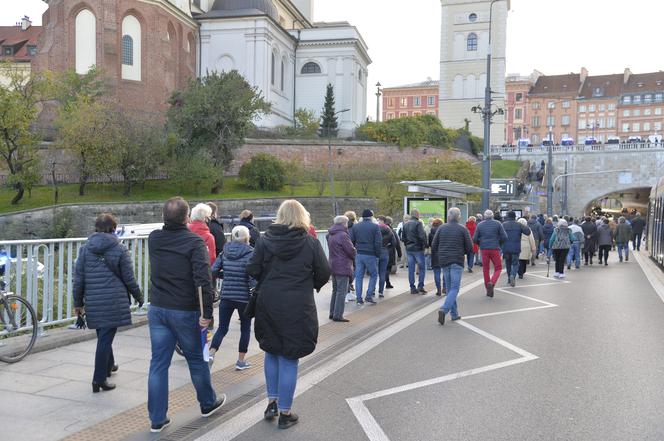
(288, 264)
(98, 289)
(536, 228)
(201, 228)
(528, 246)
(604, 235)
(233, 260)
(341, 250)
(547, 231)
(254, 234)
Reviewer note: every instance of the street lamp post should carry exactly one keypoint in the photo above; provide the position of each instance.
(486, 165)
(379, 92)
(330, 165)
(549, 176)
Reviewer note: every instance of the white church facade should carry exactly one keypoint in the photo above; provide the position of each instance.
(464, 46)
(278, 48)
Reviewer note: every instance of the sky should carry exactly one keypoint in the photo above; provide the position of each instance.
(552, 36)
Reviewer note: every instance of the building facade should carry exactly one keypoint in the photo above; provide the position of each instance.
(585, 108)
(18, 47)
(464, 45)
(411, 100)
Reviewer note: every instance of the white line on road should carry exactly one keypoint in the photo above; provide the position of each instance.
(248, 418)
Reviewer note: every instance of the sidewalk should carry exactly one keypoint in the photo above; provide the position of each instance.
(53, 387)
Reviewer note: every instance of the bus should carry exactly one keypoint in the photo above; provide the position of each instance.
(655, 224)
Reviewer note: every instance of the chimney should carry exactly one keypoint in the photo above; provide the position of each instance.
(25, 23)
(626, 75)
(584, 75)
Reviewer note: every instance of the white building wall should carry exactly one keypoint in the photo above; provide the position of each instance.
(86, 41)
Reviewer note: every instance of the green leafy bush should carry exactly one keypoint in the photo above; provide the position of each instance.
(409, 132)
(263, 172)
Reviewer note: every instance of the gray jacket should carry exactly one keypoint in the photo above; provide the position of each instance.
(451, 244)
(604, 235)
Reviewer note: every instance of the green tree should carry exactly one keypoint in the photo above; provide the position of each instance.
(328, 125)
(70, 88)
(19, 99)
(211, 117)
(306, 122)
(263, 172)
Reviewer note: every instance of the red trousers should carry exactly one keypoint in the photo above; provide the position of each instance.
(492, 256)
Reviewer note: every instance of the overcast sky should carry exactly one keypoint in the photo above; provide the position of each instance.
(552, 36)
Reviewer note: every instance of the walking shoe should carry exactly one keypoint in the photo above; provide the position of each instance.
(441, 317)
(370, 300)
(422, 291)
(209, 411)
(470, 270)
(569, 266)
(444, 291)
(562, 275)
(105, 386)
(413, 291)
(520, 276)
(286, 421)
(606, 264)
(341, 320)
(513, 282)
(389, 286)
(360, 302)
(271, 412)
(626, 258)
(585, 264)
(620, 259)
(439, 293)
(242, 365)
(351, 287)
(489, 289)
(156, 428)
(381, 295)
(454, 319)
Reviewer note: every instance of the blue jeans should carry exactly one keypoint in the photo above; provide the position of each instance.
(104, 360)
(364, 263)
(416, 256)
(471, 260)
(623, 247)
(636, 241)
(280, 379)
(511, 264)
(574, 253)
(427, 261)
(436, 277)
(452, 275)
(226, 309)
(168, 326)
(338, 299)
(382, 269)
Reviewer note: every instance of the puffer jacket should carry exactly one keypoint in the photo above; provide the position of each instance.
(451, 243)
(514, 231)
(528, 246)
(233, 260)
(547, 231)
(98, 289)
(490, 235)
(604, 235)
(623, 233)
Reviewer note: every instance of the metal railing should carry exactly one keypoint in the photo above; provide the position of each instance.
(578, 148)
(42, 272)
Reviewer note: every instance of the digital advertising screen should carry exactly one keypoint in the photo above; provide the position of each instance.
(429, 208)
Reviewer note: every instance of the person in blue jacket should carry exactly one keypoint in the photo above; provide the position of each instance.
(368, 242)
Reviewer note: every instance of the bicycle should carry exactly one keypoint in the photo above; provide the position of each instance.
(18, 327)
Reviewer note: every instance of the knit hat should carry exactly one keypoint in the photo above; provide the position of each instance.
(367, 213)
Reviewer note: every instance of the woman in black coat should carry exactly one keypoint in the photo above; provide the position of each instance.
(289, 265)
(104, 275)
(590, 240)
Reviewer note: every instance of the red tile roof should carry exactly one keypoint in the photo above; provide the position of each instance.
(19, 40)
(602, 86)
(647, 82)
(557, 85)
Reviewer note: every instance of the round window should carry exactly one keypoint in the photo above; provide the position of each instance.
(472, 18)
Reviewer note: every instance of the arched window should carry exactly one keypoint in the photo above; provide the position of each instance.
(311, 68)
(283, 73)
(471, 42)
(86, 41)
(272, 70)
(131, 48)
(127, 50)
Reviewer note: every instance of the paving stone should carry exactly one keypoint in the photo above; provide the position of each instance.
(17, 382)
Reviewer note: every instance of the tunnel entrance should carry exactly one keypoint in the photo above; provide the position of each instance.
(614, 203)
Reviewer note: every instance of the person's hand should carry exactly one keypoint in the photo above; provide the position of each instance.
(203, 322)
(79, 311)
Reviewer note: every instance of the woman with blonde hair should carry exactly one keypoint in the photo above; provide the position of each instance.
(289, 265)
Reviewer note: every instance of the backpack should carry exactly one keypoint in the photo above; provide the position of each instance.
(563, 240)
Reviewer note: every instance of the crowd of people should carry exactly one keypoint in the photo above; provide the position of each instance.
(270, 279)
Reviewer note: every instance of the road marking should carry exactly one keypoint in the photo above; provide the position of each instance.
(248, 418)
(651, 275)
(367, 421)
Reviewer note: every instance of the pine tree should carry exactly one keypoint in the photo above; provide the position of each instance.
(328, 125)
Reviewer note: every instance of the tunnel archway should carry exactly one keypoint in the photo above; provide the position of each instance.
(615, 202)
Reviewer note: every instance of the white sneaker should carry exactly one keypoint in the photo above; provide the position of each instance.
(556, 275)
(562, 276)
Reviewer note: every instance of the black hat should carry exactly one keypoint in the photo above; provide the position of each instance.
(511, 215)
(367, 213)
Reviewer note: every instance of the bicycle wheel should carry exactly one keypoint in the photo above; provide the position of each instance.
(18, 329)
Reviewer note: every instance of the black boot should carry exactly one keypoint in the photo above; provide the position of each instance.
(286, 421)
(106, 386)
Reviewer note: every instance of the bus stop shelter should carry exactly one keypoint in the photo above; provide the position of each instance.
(453, 193)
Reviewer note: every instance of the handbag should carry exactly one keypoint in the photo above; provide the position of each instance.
(250, 309)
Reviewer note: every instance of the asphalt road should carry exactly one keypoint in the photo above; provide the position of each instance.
(547, 360)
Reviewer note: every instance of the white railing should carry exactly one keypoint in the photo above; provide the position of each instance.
(42, 272)
(578, 148)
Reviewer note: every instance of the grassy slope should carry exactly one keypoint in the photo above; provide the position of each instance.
(504, 169)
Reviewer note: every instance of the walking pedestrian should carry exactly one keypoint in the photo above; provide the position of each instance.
(247, 220)
(289, 265)
(395, 254)
(560, 243)
(547, 231)
(352, 218)
(179, 267)
(512, 245)
(528, 248)
(234, 294)
(200, 215)
(605, 241)
(103, 281)
(415, 240)
(451, 242)
(216, 229)
(342, 254)
(489, 236)
(387, 243)
(399, 231)
(577, 245)
(367, 240)
(613, 225)
(435, 263)
(589, 229)
(471, 226)
(623, 236)
(538, 236)
(638, 226)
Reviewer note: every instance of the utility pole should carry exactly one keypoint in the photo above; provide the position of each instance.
(378, 94)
